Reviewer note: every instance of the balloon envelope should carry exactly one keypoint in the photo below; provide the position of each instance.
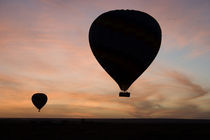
(125, 42)
(39, 100)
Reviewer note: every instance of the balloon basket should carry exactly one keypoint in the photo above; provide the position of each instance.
(124, 94)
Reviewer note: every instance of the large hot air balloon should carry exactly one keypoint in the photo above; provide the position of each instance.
(125, 42)
(39, 100)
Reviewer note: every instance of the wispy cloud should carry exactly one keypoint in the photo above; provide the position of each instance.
(185, 82)
(152, 99)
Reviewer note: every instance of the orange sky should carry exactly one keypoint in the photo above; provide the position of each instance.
(44, 48)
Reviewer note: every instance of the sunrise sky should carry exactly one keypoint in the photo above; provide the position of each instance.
(44, 47)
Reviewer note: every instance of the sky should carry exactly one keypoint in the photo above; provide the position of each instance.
(44, 47)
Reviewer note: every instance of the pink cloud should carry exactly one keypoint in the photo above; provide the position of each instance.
(148, 101)
(183, 80)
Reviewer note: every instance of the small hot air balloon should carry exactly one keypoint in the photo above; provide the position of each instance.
(39, 100)
(125, 42)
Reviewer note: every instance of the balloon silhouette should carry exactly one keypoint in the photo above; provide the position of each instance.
(39, 100)
(125, 42)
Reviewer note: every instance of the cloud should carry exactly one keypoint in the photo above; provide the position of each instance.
(148, 109)
(195, 89)
(150, 100)
(172, 95)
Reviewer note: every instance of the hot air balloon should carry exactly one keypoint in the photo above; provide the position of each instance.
(125, 42)
(39, 100)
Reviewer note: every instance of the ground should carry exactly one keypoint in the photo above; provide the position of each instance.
(63, 129)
